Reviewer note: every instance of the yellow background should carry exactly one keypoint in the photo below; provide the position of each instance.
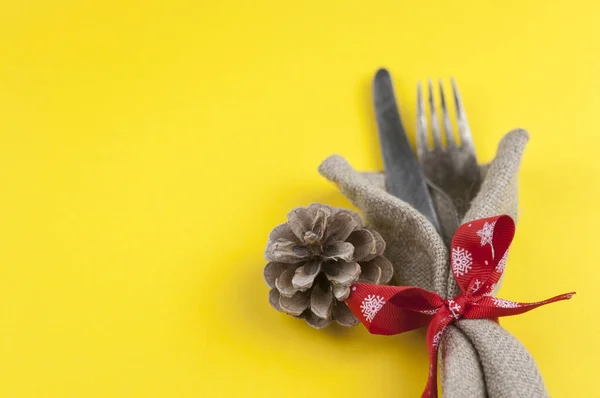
(147, 149)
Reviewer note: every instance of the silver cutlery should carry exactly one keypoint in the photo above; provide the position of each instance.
(453, 167)
(404, 177)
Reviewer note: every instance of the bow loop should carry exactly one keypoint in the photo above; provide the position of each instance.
(479, 252)
(392, 309)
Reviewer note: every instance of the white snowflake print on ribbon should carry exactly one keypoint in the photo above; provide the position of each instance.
(487, 233)
(454, 308)
(429, 312)
(505, 303)
(502, 263)
(437, 338)
(476, 286)
(461, 261)
(371, 305)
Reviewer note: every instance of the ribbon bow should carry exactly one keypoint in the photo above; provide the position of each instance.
(478, 256)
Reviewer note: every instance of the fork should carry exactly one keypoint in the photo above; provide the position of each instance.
(451, 168)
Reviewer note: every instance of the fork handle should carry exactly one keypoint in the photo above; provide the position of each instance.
(404, 178)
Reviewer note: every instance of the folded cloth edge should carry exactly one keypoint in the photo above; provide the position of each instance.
(500, 181)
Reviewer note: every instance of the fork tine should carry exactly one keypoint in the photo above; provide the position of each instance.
(466, 139)
(422, 144)
(446, 118)
(435, 126)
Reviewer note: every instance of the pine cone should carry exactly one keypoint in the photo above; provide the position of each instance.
(315, 257)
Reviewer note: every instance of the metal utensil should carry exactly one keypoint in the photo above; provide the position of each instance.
(404, 178)
(452, 168)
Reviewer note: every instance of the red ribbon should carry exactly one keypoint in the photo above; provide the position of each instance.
(478, 256)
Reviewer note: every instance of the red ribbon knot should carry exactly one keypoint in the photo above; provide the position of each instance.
(457, 306)
(478, 256)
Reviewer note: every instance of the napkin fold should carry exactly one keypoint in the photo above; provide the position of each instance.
(479, 358)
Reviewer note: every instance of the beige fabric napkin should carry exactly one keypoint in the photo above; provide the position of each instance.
(478, 357)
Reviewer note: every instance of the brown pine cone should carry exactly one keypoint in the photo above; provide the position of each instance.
(315, 257)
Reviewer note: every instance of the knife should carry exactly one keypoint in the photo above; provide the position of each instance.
(404, 178)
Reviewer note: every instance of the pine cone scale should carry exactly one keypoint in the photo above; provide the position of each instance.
(364, 244)
(370, 273)
(296, 304)
(272, 271)
(344, 316)
(339, 251)
(319, 225)
(284, 232)
(379, 246)
(305, 275)
(321, 301)
(315, 321)
(286, 251)
(341, 227)
(342, 273)
(274, 299)
(300, 222)
(387, 270)
(341, 292)
(284, 282)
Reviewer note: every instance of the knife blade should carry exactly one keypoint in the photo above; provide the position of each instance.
(404, 178)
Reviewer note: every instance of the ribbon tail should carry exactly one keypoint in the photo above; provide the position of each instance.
(491, 307)
(435, 332)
